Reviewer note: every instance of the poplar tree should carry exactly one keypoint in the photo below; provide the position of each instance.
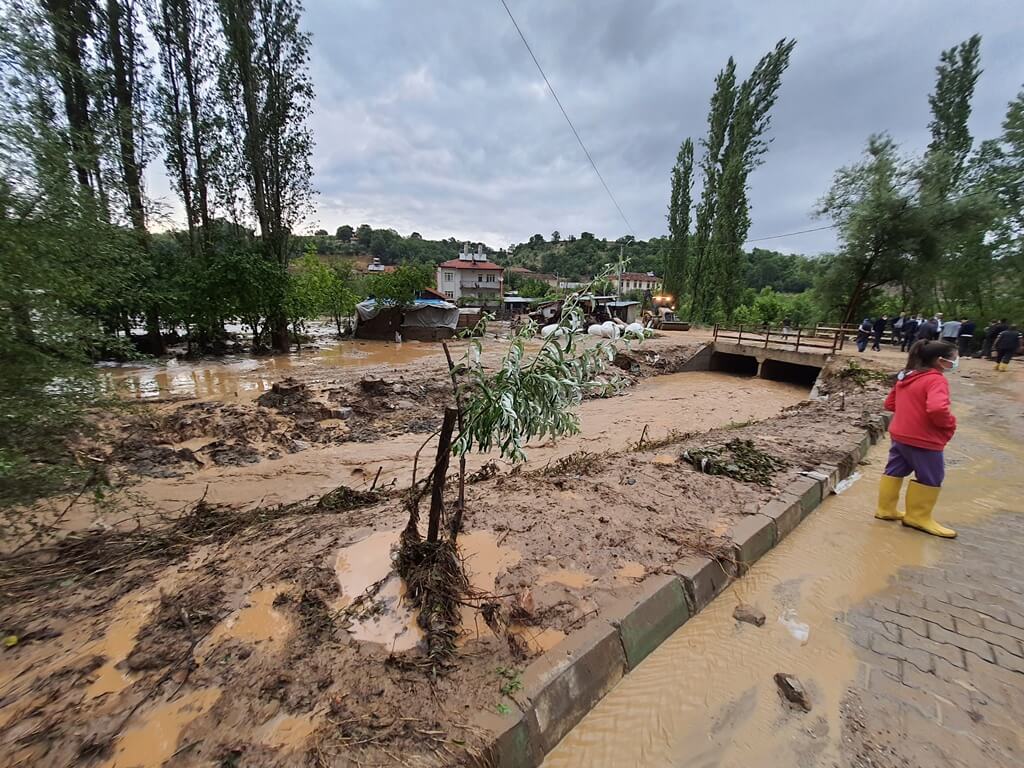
(679, 222)
(267, 90)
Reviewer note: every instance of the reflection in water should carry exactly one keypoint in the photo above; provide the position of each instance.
(235, 377)
(706, 697)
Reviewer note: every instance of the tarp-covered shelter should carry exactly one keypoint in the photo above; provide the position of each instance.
(430, 320)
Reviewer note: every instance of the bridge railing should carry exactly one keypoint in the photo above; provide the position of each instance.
(817, 339)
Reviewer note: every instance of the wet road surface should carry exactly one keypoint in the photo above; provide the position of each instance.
(910, 646)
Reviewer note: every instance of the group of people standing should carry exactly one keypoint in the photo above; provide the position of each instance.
(1000, 339)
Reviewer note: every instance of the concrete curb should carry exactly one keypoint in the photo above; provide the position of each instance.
(564, 684)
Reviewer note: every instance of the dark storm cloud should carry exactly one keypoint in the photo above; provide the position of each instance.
(431, 116)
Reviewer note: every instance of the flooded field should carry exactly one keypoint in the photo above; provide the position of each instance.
(246, 377)
(706, 697)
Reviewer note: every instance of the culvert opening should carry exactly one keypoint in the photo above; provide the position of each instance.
(793, 373)
(744, 365)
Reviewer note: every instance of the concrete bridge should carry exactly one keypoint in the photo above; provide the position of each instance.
(775, 363)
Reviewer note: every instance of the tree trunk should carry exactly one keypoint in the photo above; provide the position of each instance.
(444, 452)
(280, 337)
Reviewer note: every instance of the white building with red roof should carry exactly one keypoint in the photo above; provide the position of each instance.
(471, 276)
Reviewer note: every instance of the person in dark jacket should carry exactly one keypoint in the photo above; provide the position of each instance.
(928, 330)
(966, 337)
(897, 328)
(878, 329)
(909, 334)
(994, 329)
(1007, 344)
(864, 334)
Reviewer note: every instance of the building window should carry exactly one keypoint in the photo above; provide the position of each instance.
(490, 278)
(448, 276)
(449, 295)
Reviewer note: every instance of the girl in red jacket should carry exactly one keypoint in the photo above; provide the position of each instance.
(920, 429)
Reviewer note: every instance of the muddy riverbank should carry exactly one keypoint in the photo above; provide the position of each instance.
(245, 634)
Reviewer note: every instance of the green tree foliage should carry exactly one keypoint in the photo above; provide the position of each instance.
(268, 94)
(345, 233)
(680, 202)
(400, 286)
(738, 122)
(364, 234)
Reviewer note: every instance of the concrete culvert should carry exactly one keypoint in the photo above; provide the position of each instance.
(779, 370)
(729, 363)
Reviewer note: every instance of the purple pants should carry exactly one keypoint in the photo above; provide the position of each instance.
(927, 465)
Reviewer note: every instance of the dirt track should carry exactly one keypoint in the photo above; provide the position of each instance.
(231, 635)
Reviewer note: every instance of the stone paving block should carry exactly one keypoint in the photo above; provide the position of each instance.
(1009, 661)
(919, 658)
(567, 681)
(703, 579)
(951, 653)
(1007, 643)
(786, 511)
(1002, 628)
(646, 621)
(910, 623)
(964, 642)
(922, 701)
(941, 618)
(753, 536)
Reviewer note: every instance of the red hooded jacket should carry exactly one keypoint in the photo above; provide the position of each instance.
(920, 401)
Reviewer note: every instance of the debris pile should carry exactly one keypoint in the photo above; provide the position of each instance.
(739, 459)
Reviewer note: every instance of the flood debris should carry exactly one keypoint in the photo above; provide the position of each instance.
(749, 614)
(793, 691)
(739, 459)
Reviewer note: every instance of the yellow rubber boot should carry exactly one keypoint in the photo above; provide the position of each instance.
(888, 496)
(1004, 366)
(920, 503)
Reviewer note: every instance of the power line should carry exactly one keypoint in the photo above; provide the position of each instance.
(566, 116)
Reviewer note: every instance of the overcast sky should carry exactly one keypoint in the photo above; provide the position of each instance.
(430, 116)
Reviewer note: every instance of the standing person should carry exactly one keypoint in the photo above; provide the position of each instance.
(863, 334)
(966, 337)
(897, 328)
(1007, 344)
(787, 328)
(877, 330)
(994, 329)
(920, 429)
(909, 334)
(950, 331)
(928, 330)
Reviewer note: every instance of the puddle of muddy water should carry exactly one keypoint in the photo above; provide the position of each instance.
(393, 623)
(116, 644)
(236, 377)
(257, 623)
(706, 696)
(567, 578)
(154, 739)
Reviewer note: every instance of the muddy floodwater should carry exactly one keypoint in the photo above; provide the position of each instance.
(244, 378)
(706, 696)
(681, 402)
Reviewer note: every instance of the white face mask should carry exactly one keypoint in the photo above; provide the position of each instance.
(954, 365)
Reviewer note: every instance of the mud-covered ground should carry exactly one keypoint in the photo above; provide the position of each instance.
(274, 633)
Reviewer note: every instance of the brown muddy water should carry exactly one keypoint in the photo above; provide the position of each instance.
(706, 696)
(245, 378)
(681, 402)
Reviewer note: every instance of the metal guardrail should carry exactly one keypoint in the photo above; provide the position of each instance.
(821, 339)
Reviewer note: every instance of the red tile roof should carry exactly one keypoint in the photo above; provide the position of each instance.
(460, 264)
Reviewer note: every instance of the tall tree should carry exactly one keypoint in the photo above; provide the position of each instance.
(745, 150)
(265, 82)
(702, 263)
(679, 206)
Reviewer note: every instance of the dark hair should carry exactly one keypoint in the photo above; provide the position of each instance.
(923, 354)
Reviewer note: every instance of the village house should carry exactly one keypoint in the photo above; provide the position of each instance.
(636, 281)
(529, 274)
(471, 276)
